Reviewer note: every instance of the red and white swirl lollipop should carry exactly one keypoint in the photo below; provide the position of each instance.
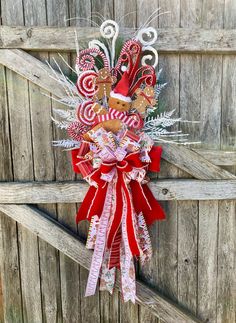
(85, 113)
(76, 130)
(86, 84)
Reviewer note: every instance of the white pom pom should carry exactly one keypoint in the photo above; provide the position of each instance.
(124, 68)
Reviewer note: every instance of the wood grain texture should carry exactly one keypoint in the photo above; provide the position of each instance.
(222, 157)
(207, 260)
(9, 256)
(22, 165)
(30, 68)
(211, 110)
(43, 167)
(193, 163)
(190, 92)
(58, 236)
(23, 170)
(167, 250)
(226, 280)
(1, 301)
(10, 271)
(170, 40)
(57, 15)
(74, 192)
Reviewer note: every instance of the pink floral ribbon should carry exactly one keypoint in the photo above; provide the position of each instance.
(100, 245)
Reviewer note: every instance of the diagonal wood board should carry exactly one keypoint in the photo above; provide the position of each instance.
(59, 237)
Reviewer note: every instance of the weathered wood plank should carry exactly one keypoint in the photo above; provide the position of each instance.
(221, 157)
(207, 260)
(193, 163)
(226, 305)
(20, 126)
(54, 233)
(74, 192)
(57, 13)
(190, 65)
(10, 271)
(226, 263)
(9, 256)
(210, 128)
(167, 232)
(30, 68)
(43, 167)
(1, 299)
(12, 14)
(170, 40)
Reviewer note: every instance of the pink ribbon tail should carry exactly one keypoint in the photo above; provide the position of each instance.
(100, 244)
(127, 263)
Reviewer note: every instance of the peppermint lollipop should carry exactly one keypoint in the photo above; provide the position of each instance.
(86, 83)
(85, 113)
(76, 130)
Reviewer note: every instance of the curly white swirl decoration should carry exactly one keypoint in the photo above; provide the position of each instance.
(99, 45)
(149, 57)
(110, 29)
(148, 32)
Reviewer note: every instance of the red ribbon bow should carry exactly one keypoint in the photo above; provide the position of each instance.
(138, 196)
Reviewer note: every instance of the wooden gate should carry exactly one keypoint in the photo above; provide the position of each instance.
(43, 259)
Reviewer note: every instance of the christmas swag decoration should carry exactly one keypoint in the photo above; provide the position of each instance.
(113, 125)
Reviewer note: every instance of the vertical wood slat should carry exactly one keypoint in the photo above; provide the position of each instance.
(226, 306)
(211, 74)
(57, 13)
(12, 13)
(11, 297)
(9, 257)
(168, 229)
(35, 13)
(23, 170)
(188, 210)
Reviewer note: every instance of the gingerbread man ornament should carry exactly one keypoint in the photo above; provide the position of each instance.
(119, 100)
(103, 83)
(144, 98)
